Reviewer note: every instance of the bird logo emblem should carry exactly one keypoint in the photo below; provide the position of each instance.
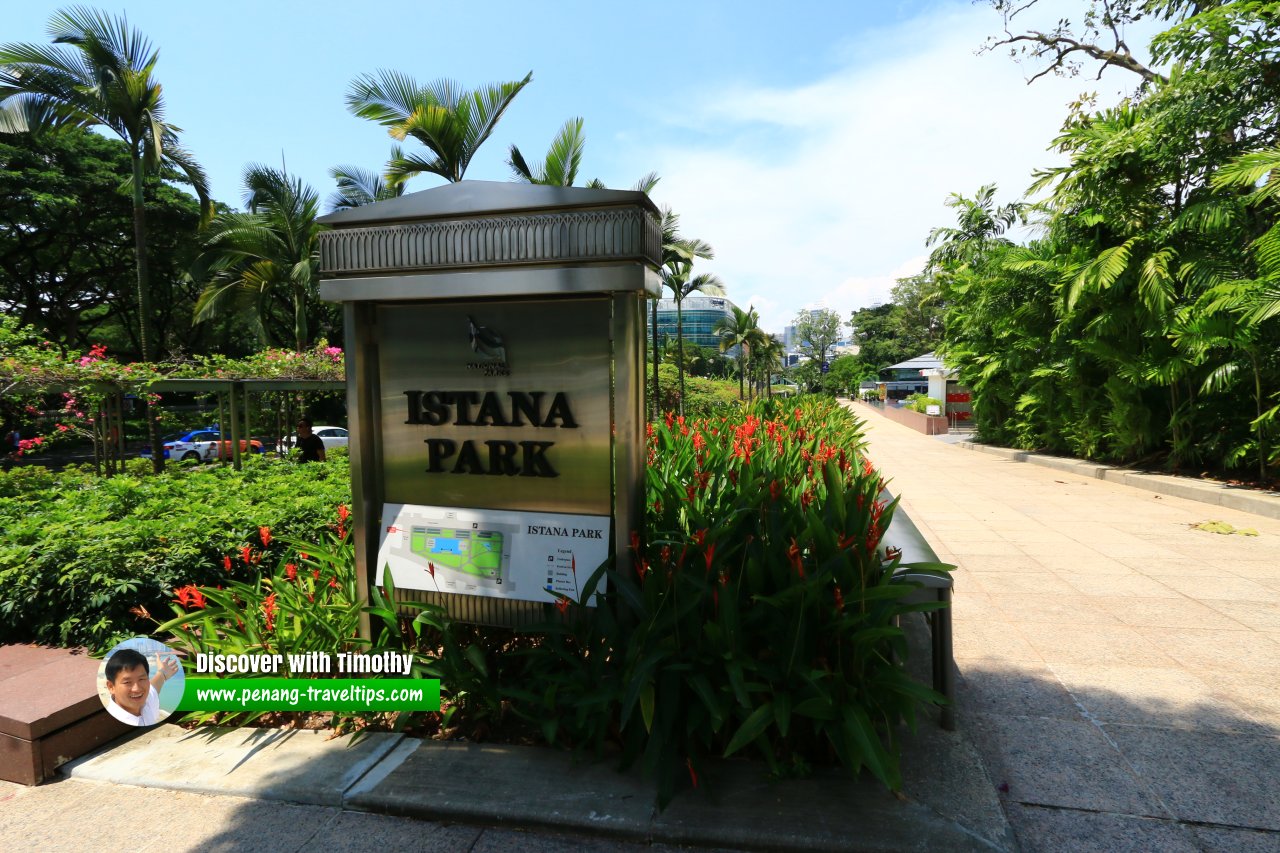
(486, 342)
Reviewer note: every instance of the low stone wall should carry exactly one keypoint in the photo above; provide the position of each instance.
(927, 424)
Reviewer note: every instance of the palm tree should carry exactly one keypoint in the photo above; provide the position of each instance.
(768, 355)
(681, 285)
(452, 122)
(100, 72)
(358, 187)
(560, 166)
(739, 330)
(979, 226)
(251, 258)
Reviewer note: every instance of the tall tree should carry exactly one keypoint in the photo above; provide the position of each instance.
(451, 121)
(100, 72)
(66, 242)
(358, 187)
(818, 330)
(265, 258)
(740, 331)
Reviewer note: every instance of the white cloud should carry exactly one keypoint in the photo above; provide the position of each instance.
(825, 192)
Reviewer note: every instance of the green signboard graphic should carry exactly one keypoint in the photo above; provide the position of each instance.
(477, 552)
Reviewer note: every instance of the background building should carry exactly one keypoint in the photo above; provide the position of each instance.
(701, 314)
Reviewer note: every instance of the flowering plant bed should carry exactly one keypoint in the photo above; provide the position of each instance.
(759, 616)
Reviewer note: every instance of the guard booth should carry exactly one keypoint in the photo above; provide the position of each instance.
(495, 385)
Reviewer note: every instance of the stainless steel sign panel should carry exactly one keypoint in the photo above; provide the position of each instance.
(497, 405)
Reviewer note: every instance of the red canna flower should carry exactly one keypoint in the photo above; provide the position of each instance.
(226, 563)
(797, 558)
(291, 571)
(269, 611)
(190, 597)
(699, 442)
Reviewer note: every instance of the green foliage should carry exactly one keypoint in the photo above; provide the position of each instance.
(703, 397)
(921, 403)
(78, 554)
(308, 602)
(1143, 325)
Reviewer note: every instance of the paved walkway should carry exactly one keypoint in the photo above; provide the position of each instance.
(1120, 670)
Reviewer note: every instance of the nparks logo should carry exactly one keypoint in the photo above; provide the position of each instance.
(491, 348)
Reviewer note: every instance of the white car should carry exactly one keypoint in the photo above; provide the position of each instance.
(331, 436)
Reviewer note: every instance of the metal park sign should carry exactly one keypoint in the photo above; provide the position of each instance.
(495, 350)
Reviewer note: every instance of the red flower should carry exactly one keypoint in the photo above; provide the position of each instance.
(666, 553)
(642, 569)
(190, 597)
(333, 582)
(302, 555)
(775, 490)
(839, 599)
(635, 540)
(846, 541)
(246, 554)
(343, 512)
(699, 442)
(269, 611)
(562, 604)
(797, 557)
(265, 533)
(226, 562)
(709, 555)
(892, 553)
(315, 574)
(688, 762)
(700, 536)
(291, 571)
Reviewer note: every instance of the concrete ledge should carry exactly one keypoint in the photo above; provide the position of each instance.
(294, 766)
(948, 801)
(1219, 494)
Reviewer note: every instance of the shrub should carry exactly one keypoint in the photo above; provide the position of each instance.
(80, 556)
(921, 403)
(760, 615)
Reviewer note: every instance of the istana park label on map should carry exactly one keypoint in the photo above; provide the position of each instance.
(496, 553)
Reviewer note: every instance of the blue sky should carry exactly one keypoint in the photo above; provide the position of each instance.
(814, 147)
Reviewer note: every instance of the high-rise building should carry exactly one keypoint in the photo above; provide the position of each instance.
(699, 317)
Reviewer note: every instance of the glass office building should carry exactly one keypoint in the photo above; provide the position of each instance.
(700, 315)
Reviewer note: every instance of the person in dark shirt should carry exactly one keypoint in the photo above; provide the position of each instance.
(309, 444)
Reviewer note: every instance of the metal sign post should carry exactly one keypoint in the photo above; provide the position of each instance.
(495, 360)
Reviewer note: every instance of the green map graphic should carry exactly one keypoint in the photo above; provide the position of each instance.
(474, 552)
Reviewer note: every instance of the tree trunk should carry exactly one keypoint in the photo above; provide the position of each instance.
(144, 305)
(680, 351)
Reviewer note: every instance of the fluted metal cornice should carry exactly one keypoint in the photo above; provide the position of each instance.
(554, 237)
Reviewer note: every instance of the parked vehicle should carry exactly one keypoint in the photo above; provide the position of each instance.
(201, 444)
(332, 436)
